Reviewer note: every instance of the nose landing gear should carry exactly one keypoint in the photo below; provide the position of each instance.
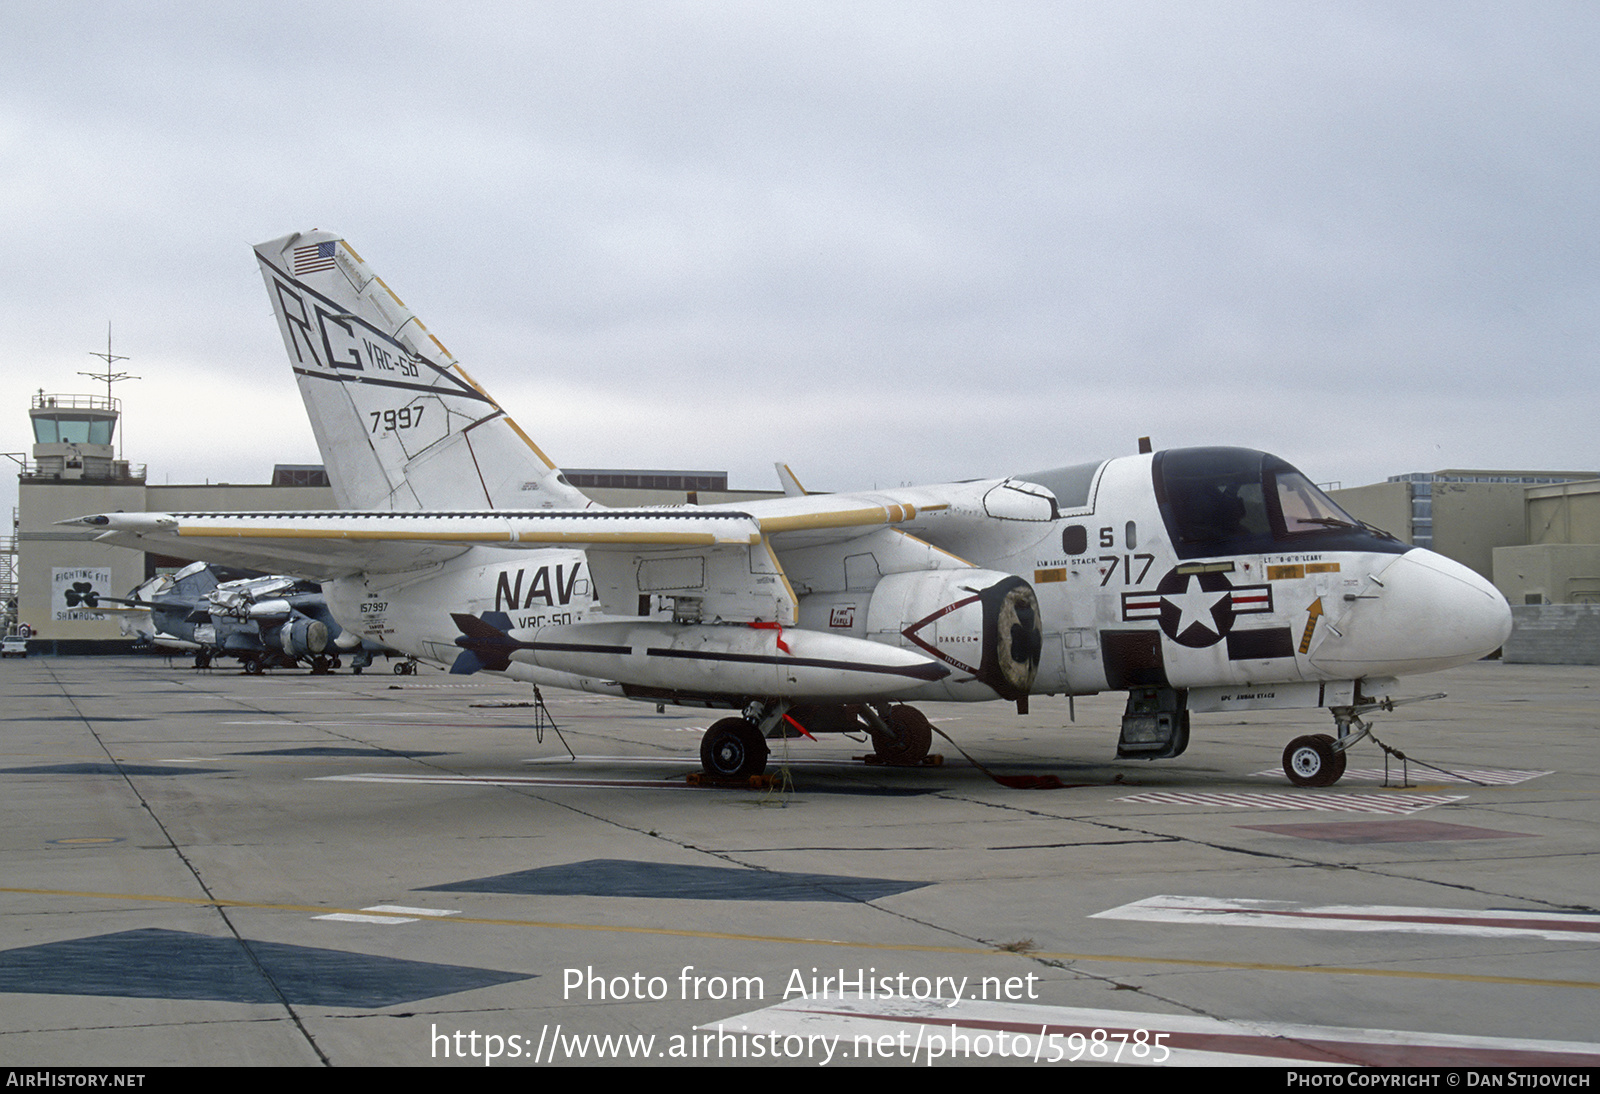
(1314, 760)
(1318, 759)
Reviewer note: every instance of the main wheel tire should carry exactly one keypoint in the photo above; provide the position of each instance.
(909, 738)
(1313, 761)
(254, 666)
(733, 749)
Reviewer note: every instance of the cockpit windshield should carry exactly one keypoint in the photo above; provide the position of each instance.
(1225, 501)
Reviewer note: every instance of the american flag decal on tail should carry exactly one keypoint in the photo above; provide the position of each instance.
(313, 258)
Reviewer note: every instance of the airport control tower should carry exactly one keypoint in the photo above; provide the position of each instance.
(73, 439)
(61, 572)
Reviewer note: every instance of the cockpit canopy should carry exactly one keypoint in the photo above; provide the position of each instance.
(1235, 501)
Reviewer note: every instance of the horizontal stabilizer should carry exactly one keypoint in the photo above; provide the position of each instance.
(484, 642)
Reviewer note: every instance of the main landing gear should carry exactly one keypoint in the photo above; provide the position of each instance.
(901, 735)
(736, 748)
(733, 748)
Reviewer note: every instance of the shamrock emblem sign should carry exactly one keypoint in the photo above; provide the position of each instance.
(82, 594)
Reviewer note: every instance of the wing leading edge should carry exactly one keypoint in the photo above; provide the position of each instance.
(726, 561)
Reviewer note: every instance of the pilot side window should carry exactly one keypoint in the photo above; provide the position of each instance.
(1220, 511)
(1213, 499)
(1304, 507)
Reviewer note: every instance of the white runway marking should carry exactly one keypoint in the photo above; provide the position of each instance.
(909, 1031)
(1396, 804)
(504, 780)
(1353, 917)
(398, 913)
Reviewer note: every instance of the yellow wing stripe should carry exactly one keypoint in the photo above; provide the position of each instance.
(839, 518)
(690, 539)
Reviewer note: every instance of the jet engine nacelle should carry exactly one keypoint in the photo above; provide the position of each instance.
(302, 636)
(983, 623)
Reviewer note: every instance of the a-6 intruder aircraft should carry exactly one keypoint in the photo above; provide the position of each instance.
(1197, 580)
(266, 621)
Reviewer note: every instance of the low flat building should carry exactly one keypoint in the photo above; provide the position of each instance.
(61, 573)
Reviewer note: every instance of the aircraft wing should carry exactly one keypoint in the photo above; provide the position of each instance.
(286, 543)
(724, 558)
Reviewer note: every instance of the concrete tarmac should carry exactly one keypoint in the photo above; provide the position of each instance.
(212, 868)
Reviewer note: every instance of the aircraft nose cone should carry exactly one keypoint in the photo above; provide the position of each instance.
(1422, 613)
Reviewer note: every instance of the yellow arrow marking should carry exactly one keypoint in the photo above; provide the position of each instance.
(1315, 611)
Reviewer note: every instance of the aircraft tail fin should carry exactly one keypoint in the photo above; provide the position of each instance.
(400, 424)
(789, 481)
(193, 582)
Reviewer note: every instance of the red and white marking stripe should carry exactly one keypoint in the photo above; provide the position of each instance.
(1141, 606)
(1468, 776)
(1355, 917)
(1392, 804)
(1252, 598)
(910, 1031)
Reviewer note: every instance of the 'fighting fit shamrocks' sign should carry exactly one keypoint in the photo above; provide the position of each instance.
(76, 593)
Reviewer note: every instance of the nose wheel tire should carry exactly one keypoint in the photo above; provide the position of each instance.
(733, 749)
(1313, 761)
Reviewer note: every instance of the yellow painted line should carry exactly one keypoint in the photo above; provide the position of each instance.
(887, 947)
(842, 518)
(694, 539)
(517, 429)
(470, 382)
(392, 294)
(790, 608)
(346, 244)
(798, 484)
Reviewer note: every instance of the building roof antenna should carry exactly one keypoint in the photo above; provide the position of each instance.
(110, 378)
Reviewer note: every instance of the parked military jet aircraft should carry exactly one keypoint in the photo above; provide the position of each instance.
(264, 621)
(1197, 580)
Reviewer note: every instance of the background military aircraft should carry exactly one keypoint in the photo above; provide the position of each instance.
(264, 621)
(1197, 580)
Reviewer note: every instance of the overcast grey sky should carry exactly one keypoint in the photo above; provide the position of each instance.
(887, 242)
